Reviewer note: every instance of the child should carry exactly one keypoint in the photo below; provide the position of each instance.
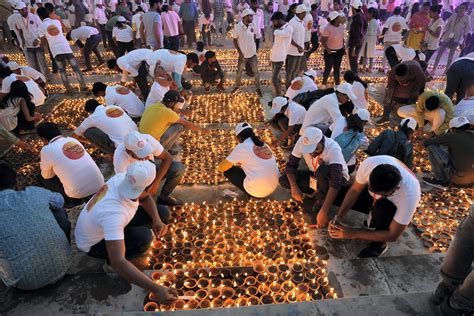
(370, 40)
(201, 52)
(211, 72)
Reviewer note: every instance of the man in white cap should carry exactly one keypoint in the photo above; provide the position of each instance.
(326, 175)
(141, 147)
(115, 225)
(327, 109)
(283, 33)
(356, 35)
(287, 118)
(12, 22)
(295, 55)
(302, 84)
(87, 38)
(32, 73)
(452, 156)
(244, 42)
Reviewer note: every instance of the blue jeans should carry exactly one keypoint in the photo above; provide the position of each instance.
(171, 136)
(35, 59)
(62, 60)
(440, 162)
(173, 176)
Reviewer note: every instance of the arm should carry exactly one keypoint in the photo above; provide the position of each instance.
(224, 165)
(80, 45)
(420, 110)
(26, 112)
(375, 145)
(166, 161)
(285, 135)
(47, 171)
(335, 184)
(236, 45)
(290, 172)
(192, 126)
(158, 31)
(349, 200)
(392, 234)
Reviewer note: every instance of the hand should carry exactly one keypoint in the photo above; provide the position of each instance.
(38, 117)
(23, 145)
(338, 231)
(322, 219)
(36, 42)
(165, 295)
(300, 49)
(296, 194)
(159, 229)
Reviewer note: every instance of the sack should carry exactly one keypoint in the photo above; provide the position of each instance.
(349, 142)
(308, 98)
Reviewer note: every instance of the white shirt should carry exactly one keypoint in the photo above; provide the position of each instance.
(170, 60)
(308, 26)
(245, 36)
(395, 25)
(136, 22)
(111, 120)
(300, 85)
(124, 35)
(131, 62)
(99, 15)
(12, 22)
(32, 73)
(337, 128)
(259, 165)
(66, 158)
(324, 110)
(404, 53)
(281, 43)
(258, 23)
(466, 104)
(126, 99)
(406, 198)
(295, 113)
(33, 88)
(30, 28)
(430, 40)
(82, 33)
(157, 92)
(52, 30)
(122, 159)
(297, 36)
(359, 90)
(105, 215)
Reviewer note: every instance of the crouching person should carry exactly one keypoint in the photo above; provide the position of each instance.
(211, 72)
(288, 118)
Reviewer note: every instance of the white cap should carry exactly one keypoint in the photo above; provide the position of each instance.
(121, 19)
(357, 4)
(136, 142)
(96, 2)
(13, 65)
(301, 8)
(363, 114)
(140, 174)
(39, 1)
(311, 73)
(247, 12)
(20, 5)
(421, 56)
(458, 122)
(242, 126)
(311, 138)
(277, 104)
(469, 114)
(333, 15)
(411, 123)
(346, 88)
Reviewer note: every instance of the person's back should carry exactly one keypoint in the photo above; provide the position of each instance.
(324, 110)
(148, 21)
(125, 98)
(38, 96)
(156, 119)
(392, 143)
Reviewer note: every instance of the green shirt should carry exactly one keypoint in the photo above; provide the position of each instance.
(444, 103)
(109, 26)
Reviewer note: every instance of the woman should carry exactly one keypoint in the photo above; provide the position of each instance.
(431, 41)
(123, 37)
(332, 39)
(418, 25)
(359, 87)
(251, 166)
(171, 28)
(370, 40)
(291, 12)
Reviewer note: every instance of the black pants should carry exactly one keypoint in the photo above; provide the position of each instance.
(188, 28)
(112, 45)
(302, 180)
(353, 59)
(314, 44)
(459, 78)
(206, 36)
(124, 47)
(171, 42)
(428, 54)
(142, 80)
(257, 43)
(55, 185)
(236, 176)
(331, 61)
(323, 178)
(91, 46)
(103, 34)
(60, 215)
(391, 56)
(138, 235)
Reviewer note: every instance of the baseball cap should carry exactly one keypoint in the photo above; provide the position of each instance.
(242, 126)
(98, 2)
(20, 5)
(277, 104)
(247, 12)
(311, 138)
(301, 8)
(311, 73)
(140, 174)
(13, 65)
(458, 122)
(121, 19)
(137, 142)
(469, 114)
(346, 88)
(357, 4)
(411, 123)
(363, 114)
(172, 96)
(333, 15)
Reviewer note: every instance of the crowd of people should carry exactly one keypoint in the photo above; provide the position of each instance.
(139, 129)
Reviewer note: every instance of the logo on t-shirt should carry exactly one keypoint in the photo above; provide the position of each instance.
(396, 27)
(53, 30)
(97, 197)
(297, 84)
(262, 152)
(202, 58)
(73, 150)
(22, 78)
(122, 90)
(114, 112)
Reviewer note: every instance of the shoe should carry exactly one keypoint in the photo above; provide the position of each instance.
(445, 309)
(107, 268)
(235, 90)
(369, 223)
(382, 121)
(259, 92)
(436, 183)
(220, 87)
(374, 250)
(207, 89)
(441, 292)
(168, 200)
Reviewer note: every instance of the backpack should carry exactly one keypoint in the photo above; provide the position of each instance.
(349, 141)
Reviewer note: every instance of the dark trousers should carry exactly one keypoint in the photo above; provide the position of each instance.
(383, 15)
(206, 35)
(91, 46)
(459, 79)
(302, 180)
(103, 34)
(236, 176)
(99, 139)
(276, 80)
(142, 80)
(61, 61)
(171, 42)
(391, 56)
(257, 43)
(112, 45)
(314, 44)
(188, 28)
(53, 61)
(333, 61)
(55, 185)
(428, 54)
(323, 178)
(60, 215)
(353, 59)
(124, 47)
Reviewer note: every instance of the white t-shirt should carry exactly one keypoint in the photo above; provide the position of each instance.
(32, 73)
(131, 62)
(337, 128)
(308, 26)
(245, 36)
(258, 23)
(126, 99)
(52, 30)
(297, 36)
(66, 158)
(105, 215)
(259, 165)
(295, 113)
(281, 43)
(325, 110)
(122, 159)
(33, 88)
(111, 120)
(100, 16)
(124, 35)
(82, 33)
(404, 53)
(433, 42)
(406, 198)
(299, 85)
(395, 25)
(359, 90)
(136, 22)
(466, 104)
(157, 92)
(30, 27)
(170, 60)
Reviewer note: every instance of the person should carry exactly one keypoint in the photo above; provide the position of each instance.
(357, 32)
(141, 147)
(287, 118)
(283, 36)
(164, 124)
(151, 28)
(418, 24)
(314, 31)
(451, 156)
(91, 37)
(251, 166)
(188, 12)
(406, 81)
(332, 40)
(100, 20)
(136, 22)
(398, 53)
(302, 84)
(122, 34)
(459, 77)
(66, 166)
(37, 95)
(466, 104)
(40, 255)
(11, 139)
(115, 225)
(244, 42)
(295, 53)
(433, 32)
(394, 29)
(218, 8)
(29, 72)
(120, 96)
(200, 51)
(80, 11)
(109, 27)
(12, 21)
(171, 28)
(257, 22)
(205, 25)
(453, 295)
(211, 73)
(308, 26)
(389, 192)
(456, 30)
(161, 84)
(139, 5)
(395, 143)
(50, 31)
(327, 109)
(105, 128)
(370, 40)
(123, 9)
(326, 175)
(359, 87)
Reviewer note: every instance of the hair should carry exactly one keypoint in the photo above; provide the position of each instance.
(42, 13)
(193, 57)
(7, 177)
(346, 108)
(253, 1)
(111, 63)
(355, 123)
(397, 11)
(248, 132)
(463, 128)
(91, 105)
(350, 77)
(426, 4)
(98, 86)
(465, 4)
(5, 72)
(210, 54)
(291, 12)
(432, 103)
(415, 8)
(68, 36)
(18, 89)
(49, 7)
(277, 16)
(48, 130)
(436, 8)
(384, 178)
(333, 22)
(374, 13)
(200, 46)
(139, 9)
(401, 70)
(153, 2)
(164, 8)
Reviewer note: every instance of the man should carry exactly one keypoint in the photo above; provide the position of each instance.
(27, 71)
(397, 53)
(287, 118)
(406, 81)
(302, 84)
(326, 175)
(244, 42)
(356, 35)
(211, 72)
(139, 4)
(35, 233)
(308, 26)
(188, 12)
(257, 22)
(141, 147)
(162, 83)
(295, 54)
(92, 38)
(50, 32)
(432, 106)
(171, 28)
(393, 31)
(115, 225)
(66, 167)
(460, 77)
(389, 192)
(12, 22)
(219, 16)
(106, 127)
(120, 96)
(327, 109)
(151, 28)
(109, 27)
(164, 124)
(123, 9)
(283, 35)
(452, 156)
(100, 19)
